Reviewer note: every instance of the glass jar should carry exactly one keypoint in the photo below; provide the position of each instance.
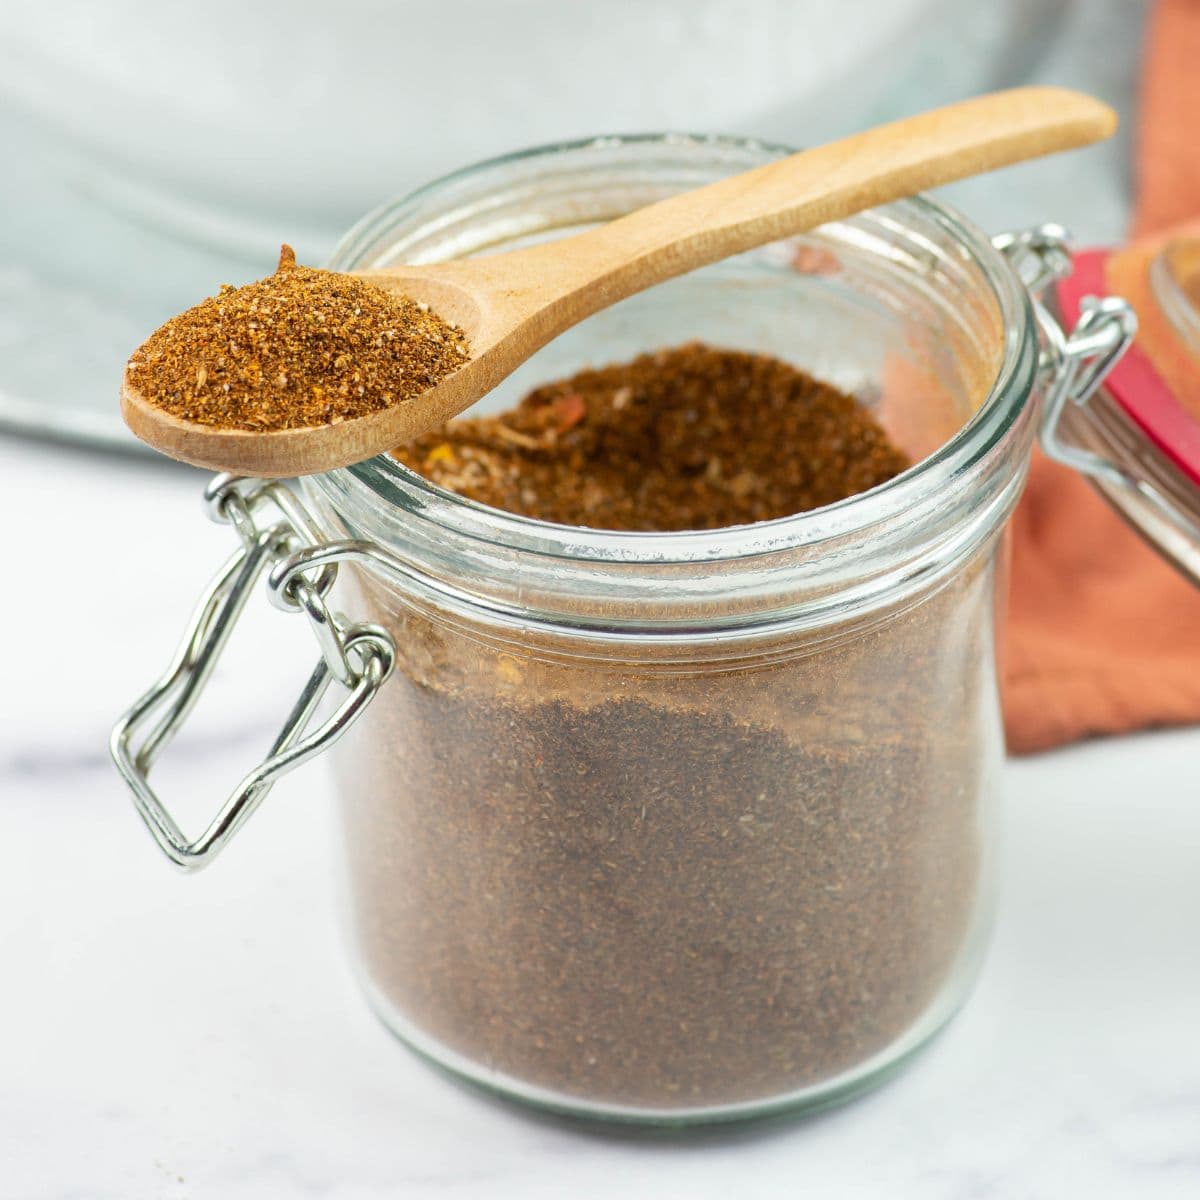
(670, 827)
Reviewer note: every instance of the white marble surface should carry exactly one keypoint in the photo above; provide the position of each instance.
(197, 1038)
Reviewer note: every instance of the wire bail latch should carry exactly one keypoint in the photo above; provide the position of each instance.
(273, 527)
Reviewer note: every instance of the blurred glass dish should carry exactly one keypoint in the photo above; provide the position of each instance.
(156, 150)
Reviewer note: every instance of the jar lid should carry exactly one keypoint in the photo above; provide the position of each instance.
(1144, 423)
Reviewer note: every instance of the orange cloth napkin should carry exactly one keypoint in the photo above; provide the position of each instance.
(1104, 635)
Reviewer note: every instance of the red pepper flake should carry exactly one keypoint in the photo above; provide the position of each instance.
(815, 260)
(569, 410)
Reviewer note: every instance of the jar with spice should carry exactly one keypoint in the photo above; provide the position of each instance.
(671, 826)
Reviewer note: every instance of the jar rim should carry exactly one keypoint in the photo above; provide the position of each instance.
(1010, 390)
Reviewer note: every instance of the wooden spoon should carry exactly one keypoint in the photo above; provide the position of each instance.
(509, 305)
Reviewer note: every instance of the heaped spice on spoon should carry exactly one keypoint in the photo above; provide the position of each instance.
(691, 437)
(301, 348)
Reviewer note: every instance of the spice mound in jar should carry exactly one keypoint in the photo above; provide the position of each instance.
(721, 875)
(686, 438)
(298, 349)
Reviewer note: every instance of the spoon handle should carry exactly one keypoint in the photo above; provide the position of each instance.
(804, 190)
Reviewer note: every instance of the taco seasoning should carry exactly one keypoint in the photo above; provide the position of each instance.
(301, 348)
(694, 880)
(686, 438)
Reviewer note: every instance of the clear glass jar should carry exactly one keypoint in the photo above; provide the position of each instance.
(669, 827)
(683, 826)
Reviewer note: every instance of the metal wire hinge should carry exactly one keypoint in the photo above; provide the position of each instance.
(1075, 363)
(275, 533)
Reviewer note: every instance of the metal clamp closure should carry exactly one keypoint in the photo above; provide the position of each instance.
(273, 527)
(1074, 363)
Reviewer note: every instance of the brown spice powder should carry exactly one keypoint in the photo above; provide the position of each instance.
(687, 438)
(301, 348)
(707, 879)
